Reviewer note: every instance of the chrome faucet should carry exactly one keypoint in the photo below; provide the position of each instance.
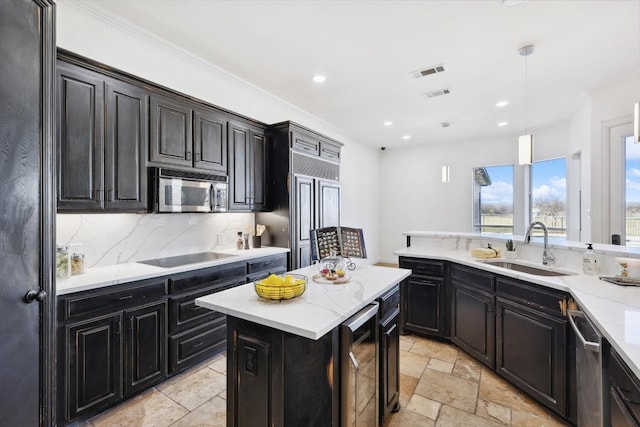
(547, 257)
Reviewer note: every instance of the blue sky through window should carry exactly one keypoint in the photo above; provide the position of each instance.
(549, 180)
(501, 189)
(632, 169)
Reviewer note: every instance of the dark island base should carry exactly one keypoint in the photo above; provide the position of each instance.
(275, 378)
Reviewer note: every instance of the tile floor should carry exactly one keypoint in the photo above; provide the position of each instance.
(440, 386)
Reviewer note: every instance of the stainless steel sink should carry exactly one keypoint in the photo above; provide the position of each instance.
(510, 265)
(176, 261)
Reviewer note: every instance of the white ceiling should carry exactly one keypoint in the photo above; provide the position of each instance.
(367, 49)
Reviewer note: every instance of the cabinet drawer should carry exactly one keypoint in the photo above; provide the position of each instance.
(305, 143)
(329, 151)
(626, 386)
(184, 313)
(423, 267)
(268, 264)
(198, 344)
(472, 277)
(538, 297)
(116, 298)
(389, 301)
(206, 277)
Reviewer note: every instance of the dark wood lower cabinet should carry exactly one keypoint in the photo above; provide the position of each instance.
(424, 296)
(389, 364)
(473, 322)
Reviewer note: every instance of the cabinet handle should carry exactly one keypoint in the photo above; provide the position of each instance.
(195, 308)
(98, 195)
(197, 157)
(126, 297)
(188, 155)
(110, 194)
(198, 344)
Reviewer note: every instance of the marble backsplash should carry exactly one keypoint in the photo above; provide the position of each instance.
(110, 239)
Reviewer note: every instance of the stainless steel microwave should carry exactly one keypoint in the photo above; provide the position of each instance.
(178, 191)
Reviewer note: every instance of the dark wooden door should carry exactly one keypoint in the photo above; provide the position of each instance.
(304, 219)
(145, 350)
(171, 132)
(27, 49)
(258, 153)
(531, 352)
(423, 305)
(239, 167)
(80, 141)
(127, 139)
(328, 204)
(94, 359)
(473, 323)
(389, 364)
(210, 141)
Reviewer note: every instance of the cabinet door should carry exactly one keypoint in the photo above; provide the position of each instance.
(473, 323)
(389, 365)
(328, 204)
(531, 352)
(94, 364)
(239, 167)
(258, 170)
(80, 142)
(171, 132)
(126, 147)
(145, 347)
(422, 304)
(210, 141)
(304, 220)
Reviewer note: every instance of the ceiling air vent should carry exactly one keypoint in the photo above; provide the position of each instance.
(427, 71)
(438, 92)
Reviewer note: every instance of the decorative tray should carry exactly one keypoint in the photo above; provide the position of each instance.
(319, 278)
(621, 281)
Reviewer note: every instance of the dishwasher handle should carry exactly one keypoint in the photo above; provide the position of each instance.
(587, 345)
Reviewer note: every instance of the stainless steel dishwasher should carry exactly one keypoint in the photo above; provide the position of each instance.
(589, 383)
(359, 365)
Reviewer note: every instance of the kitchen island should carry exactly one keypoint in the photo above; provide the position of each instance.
(284, 357)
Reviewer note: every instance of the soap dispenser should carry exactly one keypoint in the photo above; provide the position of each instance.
(589, 261)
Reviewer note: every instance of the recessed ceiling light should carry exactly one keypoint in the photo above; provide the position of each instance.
(503, 123)
(501, 104)
(388, 123)
(405, 137)
(319, 78)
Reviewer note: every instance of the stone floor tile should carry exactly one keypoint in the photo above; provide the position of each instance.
(212, 413)
(412, 364)
(440, 365)
(219, 363)
(149, 409)
(407, 387)
(405, 418)
(495, 389)
(493, 411)
(435, 349)
(467, 368)
(423, 406)
(197, 388)
(540, 419)
(454, 417)
(448, 390)
(406, 341)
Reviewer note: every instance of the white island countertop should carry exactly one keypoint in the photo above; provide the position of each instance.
(319, 310)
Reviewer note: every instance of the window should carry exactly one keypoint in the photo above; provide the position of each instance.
(549, 195)
(493, 199)
(632, 192)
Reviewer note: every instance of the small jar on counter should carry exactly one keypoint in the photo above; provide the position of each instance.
(76, 254)
(63, 262)
(245, 238)
(239, 242)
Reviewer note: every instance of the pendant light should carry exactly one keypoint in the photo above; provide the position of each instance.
(525, 142)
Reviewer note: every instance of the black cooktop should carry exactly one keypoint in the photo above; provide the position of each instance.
(175, 261)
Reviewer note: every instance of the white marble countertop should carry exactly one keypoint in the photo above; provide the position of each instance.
(320, 309)
(122, 273)
(614, 310)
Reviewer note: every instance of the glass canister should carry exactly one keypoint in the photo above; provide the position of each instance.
(63, 262)
(333, 267)
(76, 254)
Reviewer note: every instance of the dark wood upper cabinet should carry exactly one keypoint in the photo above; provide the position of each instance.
(127, 139)
(102, 142)
(171, 132)
(80, 141)
(247, 168)
(210, 141)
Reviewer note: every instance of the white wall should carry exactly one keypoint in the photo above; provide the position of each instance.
(81, 30)
(413, 197)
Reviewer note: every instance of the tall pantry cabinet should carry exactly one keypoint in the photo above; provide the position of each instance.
(305, 178)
